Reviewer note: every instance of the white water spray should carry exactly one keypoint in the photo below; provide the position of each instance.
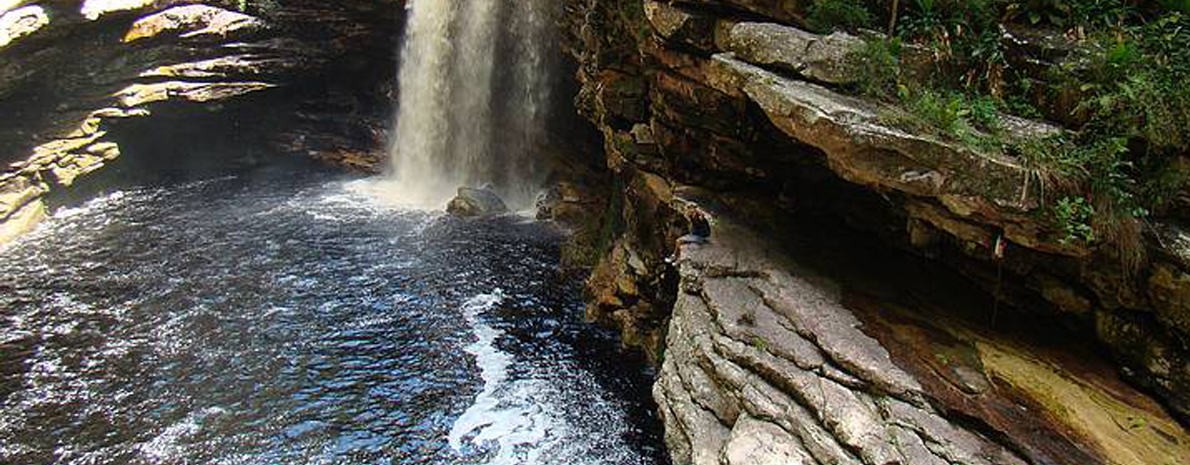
(474, 90)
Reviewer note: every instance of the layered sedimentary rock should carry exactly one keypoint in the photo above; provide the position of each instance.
(72, 73)
(737, 99)
(769, 361)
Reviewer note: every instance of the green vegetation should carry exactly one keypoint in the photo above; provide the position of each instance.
(825, 15)
(1122, 158)
(881, 61)
(951, 115)
(257, 7)
(1073, 216)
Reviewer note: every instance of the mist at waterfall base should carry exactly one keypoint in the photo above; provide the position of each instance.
(476, 84)
(280, 317)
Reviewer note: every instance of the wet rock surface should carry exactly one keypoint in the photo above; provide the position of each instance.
(472, 202)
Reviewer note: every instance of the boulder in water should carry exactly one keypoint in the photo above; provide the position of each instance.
(476, 202)
(546, 202)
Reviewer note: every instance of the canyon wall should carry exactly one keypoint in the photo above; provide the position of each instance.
(869, 294)
(732, 106)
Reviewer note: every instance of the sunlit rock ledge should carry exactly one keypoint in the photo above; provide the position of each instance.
(21, 22)
(865, 151)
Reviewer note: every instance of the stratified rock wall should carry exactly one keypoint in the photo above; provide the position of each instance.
(733, 103)
(768, 361)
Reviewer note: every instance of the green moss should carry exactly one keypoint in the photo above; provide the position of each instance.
(759, 343)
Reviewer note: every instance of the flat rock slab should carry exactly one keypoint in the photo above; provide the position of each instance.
(825, 59)
(771, 361)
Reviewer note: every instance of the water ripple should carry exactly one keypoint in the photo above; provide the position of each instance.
(289, 318)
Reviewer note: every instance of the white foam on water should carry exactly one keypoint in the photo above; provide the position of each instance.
(382, 193)
(539, 420)
(113, 199)
(504, 413)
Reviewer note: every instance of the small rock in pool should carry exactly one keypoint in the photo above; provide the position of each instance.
(471, 202)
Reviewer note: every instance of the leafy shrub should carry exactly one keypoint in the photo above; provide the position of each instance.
(964, 37)
(257, 7)
(1134, 85)
(986, 62)
(985, 112)
(1018, 97)
(1073, 216)
(879, 66)
(972, 120)
(1125, 158)
(944, 111)
(1182, 6)
(1056, 12)
(1096, 187)
(1102, 13)
(942, 21)
(1071, 13)
(1171, 179)
(827, 15)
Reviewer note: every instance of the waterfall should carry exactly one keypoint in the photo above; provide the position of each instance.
(474, 89)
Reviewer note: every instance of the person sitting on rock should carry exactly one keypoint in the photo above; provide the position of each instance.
(700, 227)
(698, 232)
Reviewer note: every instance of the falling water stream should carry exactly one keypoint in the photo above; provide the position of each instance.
(288, 317)
(474, 89)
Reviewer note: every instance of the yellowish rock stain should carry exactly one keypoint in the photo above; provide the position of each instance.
(1125, 434)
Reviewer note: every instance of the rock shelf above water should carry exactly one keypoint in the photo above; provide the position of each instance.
(738, 98)
(770, 362)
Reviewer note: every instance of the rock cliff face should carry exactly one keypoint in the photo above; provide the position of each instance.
(731, 106)
(87, 84)
(769, 359)
(779, 341)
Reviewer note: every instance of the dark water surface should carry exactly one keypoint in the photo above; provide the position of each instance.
(284, 317)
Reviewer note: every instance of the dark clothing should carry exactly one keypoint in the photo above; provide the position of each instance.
(699, 226)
